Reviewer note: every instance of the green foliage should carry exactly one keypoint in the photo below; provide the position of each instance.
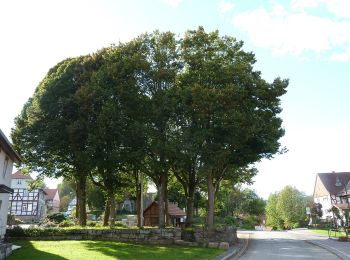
(66, 223)
(286, 209)
(230, 221)
(233, 200)
(38, 183)
(192, 106)
(56, 217)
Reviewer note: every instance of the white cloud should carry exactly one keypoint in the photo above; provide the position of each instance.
(172, 3)
(342, 57)
(287, 32)
(339, 8)
(225, 7)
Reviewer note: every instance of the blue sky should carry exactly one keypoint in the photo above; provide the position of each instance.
(307, 41)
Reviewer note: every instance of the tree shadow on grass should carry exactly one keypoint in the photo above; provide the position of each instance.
(120, 250)
(28, 251)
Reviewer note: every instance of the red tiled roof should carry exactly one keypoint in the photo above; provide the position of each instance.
(50, 193)
(174, 210)
(20, 175)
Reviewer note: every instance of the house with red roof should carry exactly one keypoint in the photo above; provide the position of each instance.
(151, 214)
(52, 199)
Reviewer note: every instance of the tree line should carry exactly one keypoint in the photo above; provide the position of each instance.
(159, 105)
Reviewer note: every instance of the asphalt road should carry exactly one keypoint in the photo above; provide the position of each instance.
(282, 245)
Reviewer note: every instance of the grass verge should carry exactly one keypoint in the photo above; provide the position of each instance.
(71, 249)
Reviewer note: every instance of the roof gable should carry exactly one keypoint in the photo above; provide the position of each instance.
(325, 183)
(7, 147)
(20, 175)
(50, 193)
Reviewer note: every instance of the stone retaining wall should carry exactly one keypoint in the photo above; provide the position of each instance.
(203, 236)
(144, 236)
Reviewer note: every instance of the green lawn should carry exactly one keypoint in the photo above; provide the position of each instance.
(325, 232)
(87, 250)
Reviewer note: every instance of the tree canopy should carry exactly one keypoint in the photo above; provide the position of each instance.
(160, 105)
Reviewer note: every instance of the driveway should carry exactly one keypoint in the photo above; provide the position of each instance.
(282, 245)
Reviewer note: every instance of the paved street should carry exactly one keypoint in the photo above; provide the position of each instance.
(282, 245)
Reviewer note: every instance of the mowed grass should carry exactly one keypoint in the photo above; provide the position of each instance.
(87, 250)
(325, 232)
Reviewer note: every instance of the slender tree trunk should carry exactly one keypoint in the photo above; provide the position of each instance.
(77, 192)
(189, 206)
(138, 197)
(166, 204)
(211, 202)
(161, 201)
(107, 212)
(81, 200)
(112, 213)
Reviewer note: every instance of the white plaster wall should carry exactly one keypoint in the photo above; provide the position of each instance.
(326, 205)
(4, 197)
(16, 185)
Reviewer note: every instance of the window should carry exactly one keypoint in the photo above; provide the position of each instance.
(325, 199)
(4, 170)
(19, 181)
(24, 207)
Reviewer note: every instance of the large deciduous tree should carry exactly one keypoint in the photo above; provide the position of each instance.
(234, 111)
(51, 132)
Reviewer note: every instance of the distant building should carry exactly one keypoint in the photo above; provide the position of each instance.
(52, 200)
(72, 204)
(332, 189)
(28, 206)
(8, 157)
(151, 214)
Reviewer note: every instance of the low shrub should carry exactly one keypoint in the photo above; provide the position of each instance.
(120, 224)
(91, 223)
(66, 223)
(56, 217)
(230, 221)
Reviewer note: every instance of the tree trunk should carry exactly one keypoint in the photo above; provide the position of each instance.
(81, 200)
(138, 197)
(77, 192)
(112, 213)
(211, 202)
(107, 212)
(161, 202)
(166, 206)
(189, 206)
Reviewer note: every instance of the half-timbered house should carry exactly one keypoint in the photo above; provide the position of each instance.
(29, 206)
(332, 189)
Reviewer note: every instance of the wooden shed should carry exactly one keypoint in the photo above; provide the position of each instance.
(151, 214)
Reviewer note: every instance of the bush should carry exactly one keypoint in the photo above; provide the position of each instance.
(120, 224)
(15, 231)
(91, 223)
(56, 217)
(230, 221)
(66, 223)
(18, 221)
(47, 223)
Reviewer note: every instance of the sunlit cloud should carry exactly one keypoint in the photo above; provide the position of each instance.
(225, 7)
(293, 32)
(172, 3)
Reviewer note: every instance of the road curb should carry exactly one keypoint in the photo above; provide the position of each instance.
(235, 252)
(329, 249)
